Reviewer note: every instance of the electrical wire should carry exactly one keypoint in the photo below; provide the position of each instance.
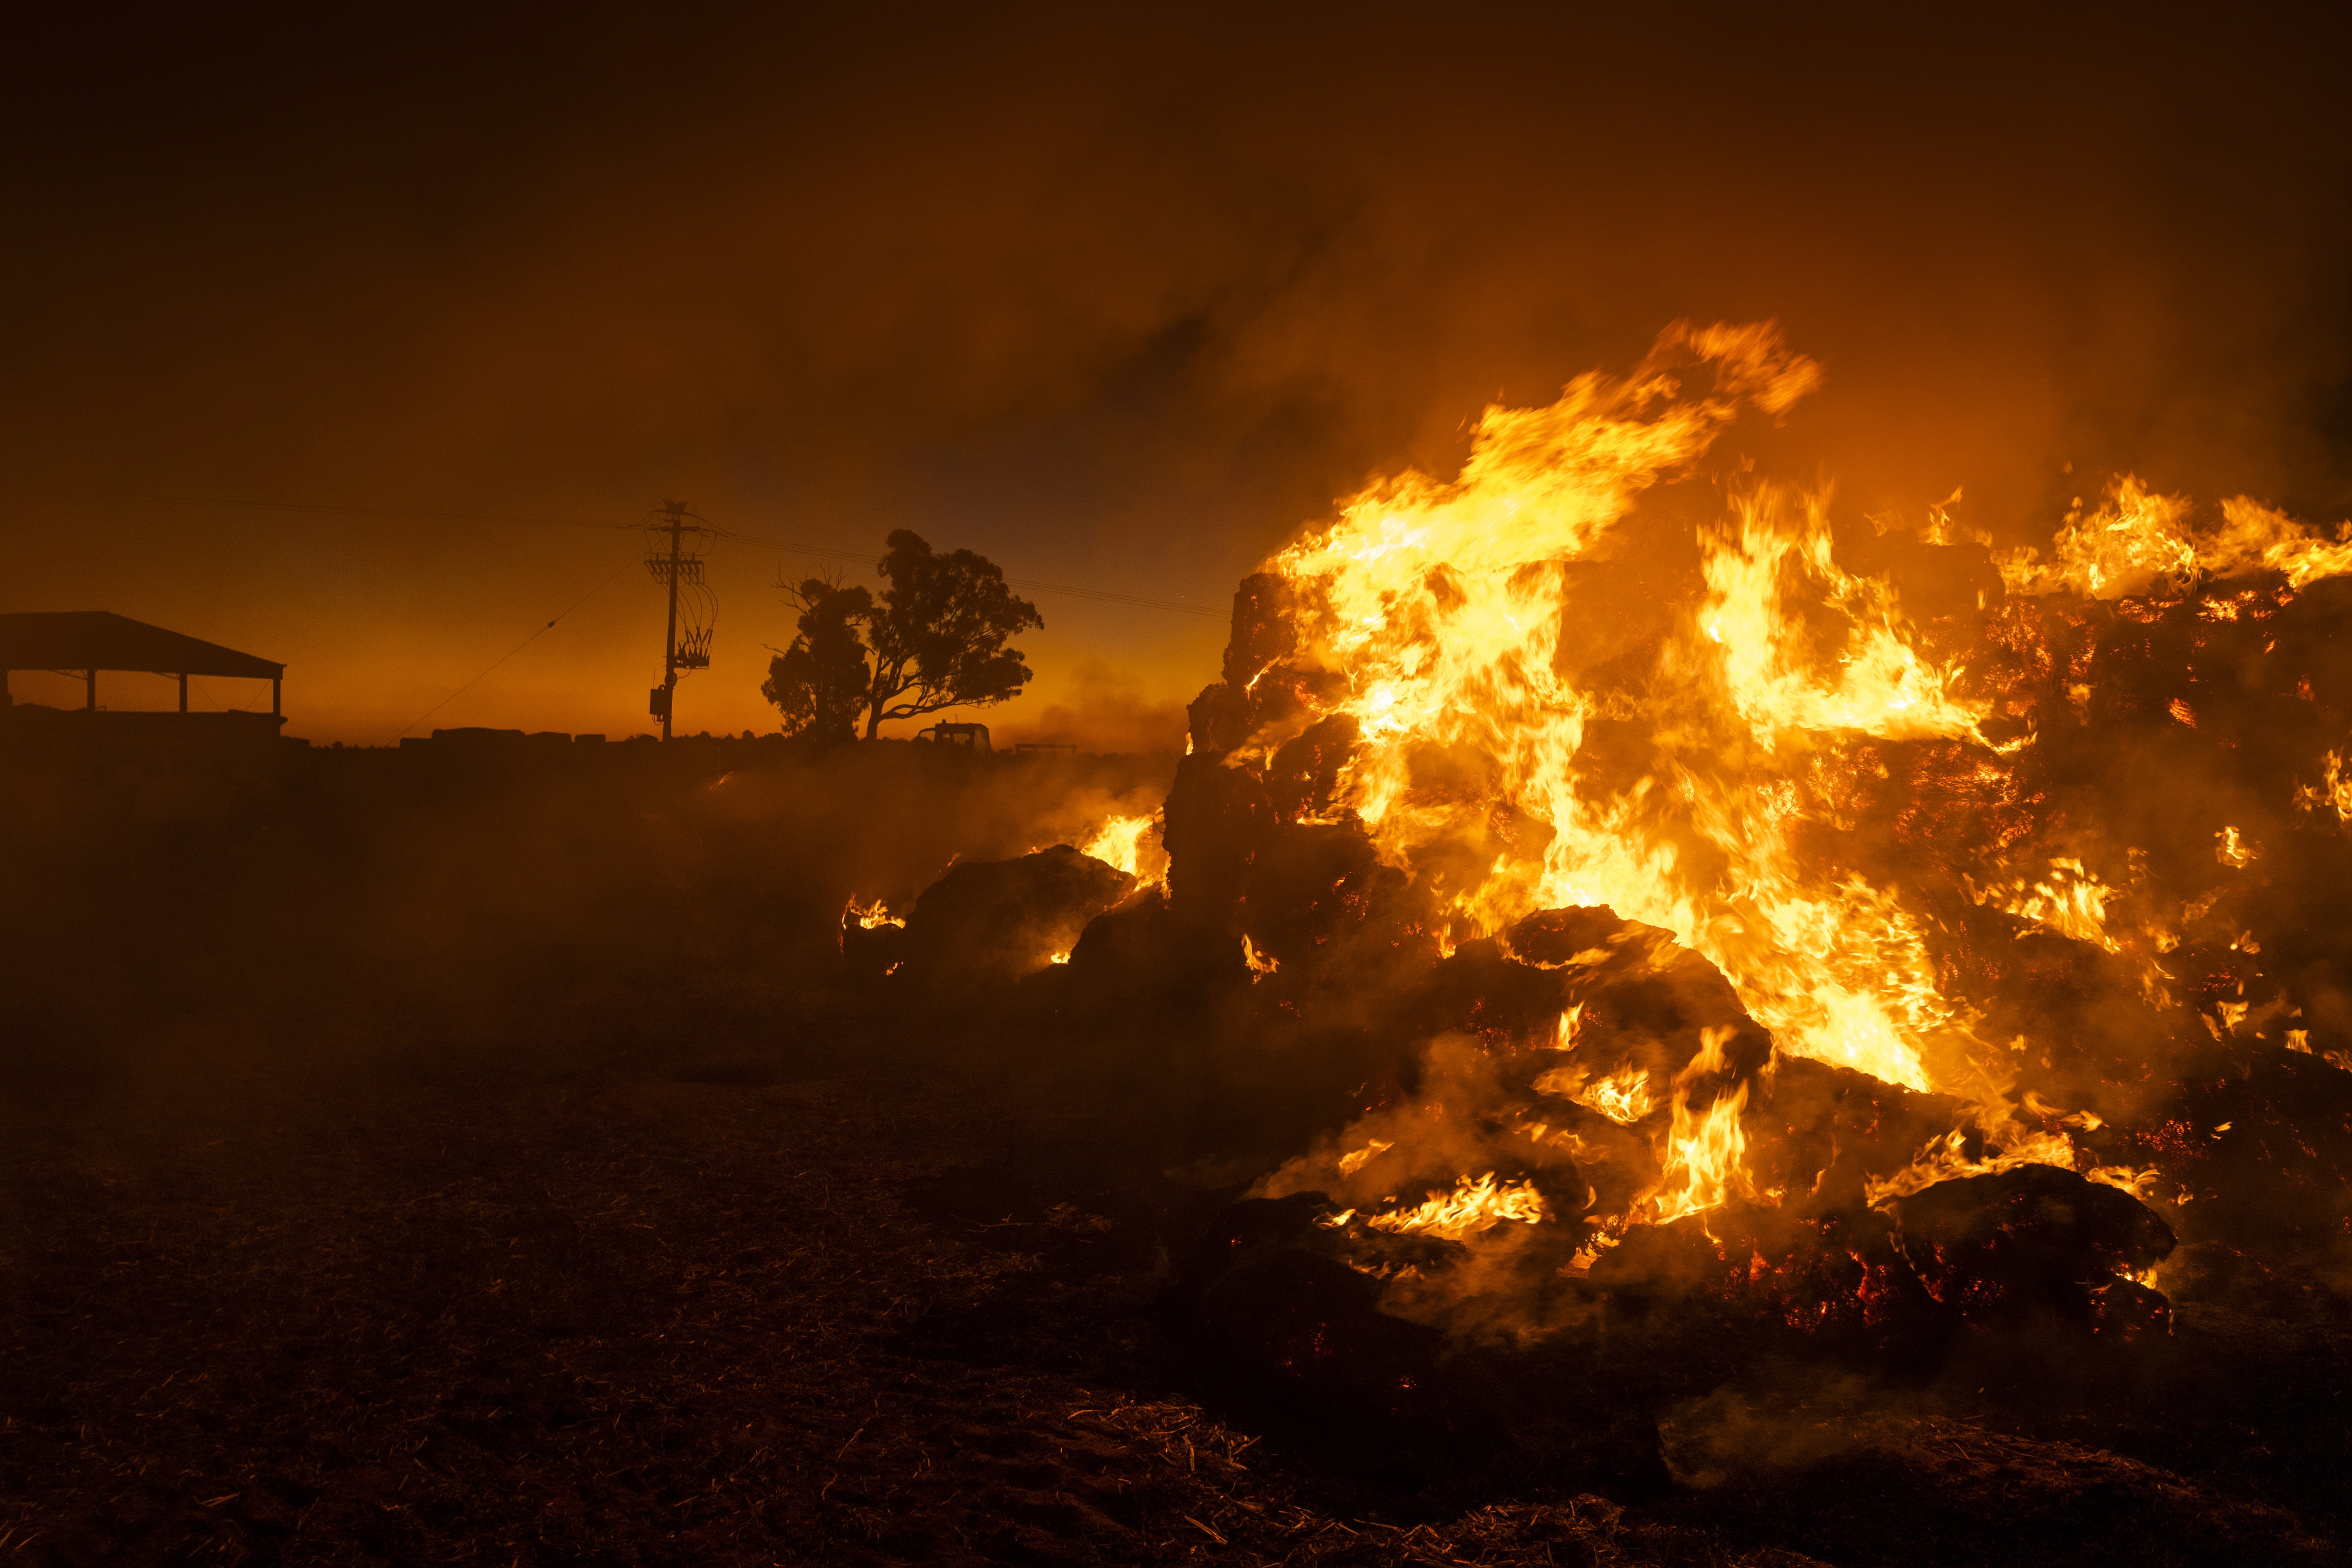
(789, 547)
(518, 647)
(378, 511)
(1033, 584)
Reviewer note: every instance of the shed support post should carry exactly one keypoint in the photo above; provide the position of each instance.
(184, 692)
(89, 690)
(275, 682)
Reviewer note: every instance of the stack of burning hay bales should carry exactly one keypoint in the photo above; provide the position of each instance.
(1617, 927)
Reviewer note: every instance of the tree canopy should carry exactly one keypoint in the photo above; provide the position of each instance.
(933, 639)
(821, 683)
(938, 633)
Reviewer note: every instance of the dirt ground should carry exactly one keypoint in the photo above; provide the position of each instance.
(755, 1309)
(566, 1255)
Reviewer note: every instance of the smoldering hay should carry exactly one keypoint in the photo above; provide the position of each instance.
(1696, 890)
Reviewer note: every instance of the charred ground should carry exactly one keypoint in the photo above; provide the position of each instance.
(412, 1163)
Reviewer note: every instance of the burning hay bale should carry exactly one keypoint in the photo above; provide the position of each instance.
(2036, 1242)
(873, 943)
(987, 923)
(1752, 921)
(1277, 1295)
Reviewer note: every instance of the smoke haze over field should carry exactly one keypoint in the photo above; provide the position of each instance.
(1118, 305)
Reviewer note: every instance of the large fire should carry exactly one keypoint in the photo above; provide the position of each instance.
(1454, 617)
(1585, 676)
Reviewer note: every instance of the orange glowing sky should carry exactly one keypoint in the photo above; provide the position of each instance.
(1118, 306)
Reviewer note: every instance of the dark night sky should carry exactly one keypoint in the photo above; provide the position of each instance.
(1119, 303)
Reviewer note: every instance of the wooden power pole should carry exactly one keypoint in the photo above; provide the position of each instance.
(676, 541)
(674, 516)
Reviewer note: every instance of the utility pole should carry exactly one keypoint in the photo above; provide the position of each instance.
(675, 511)
(674, 542)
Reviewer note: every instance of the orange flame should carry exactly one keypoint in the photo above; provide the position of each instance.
(868, 916)
(1440, 608)
(2257, 535)
(1705, 1161)
(1947, 1158)
(1449, 620)
(1122, 842)
(1706, 1165)
(2138, 542)
(2334, 791)
(2135, 542)
(1623, 1097)
(2069, 900)
(1472, 1206)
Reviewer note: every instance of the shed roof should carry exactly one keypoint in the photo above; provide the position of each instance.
(100, 639)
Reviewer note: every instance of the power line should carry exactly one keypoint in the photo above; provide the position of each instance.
(1033, 584)
(1103, 595)
(518, 647)
(379, 510)
(1106, 596)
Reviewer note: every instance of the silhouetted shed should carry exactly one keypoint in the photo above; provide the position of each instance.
(84, 642)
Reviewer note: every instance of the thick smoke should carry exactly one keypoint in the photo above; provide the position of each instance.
(1107, 713)
(165, 921)
(1117, 305)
